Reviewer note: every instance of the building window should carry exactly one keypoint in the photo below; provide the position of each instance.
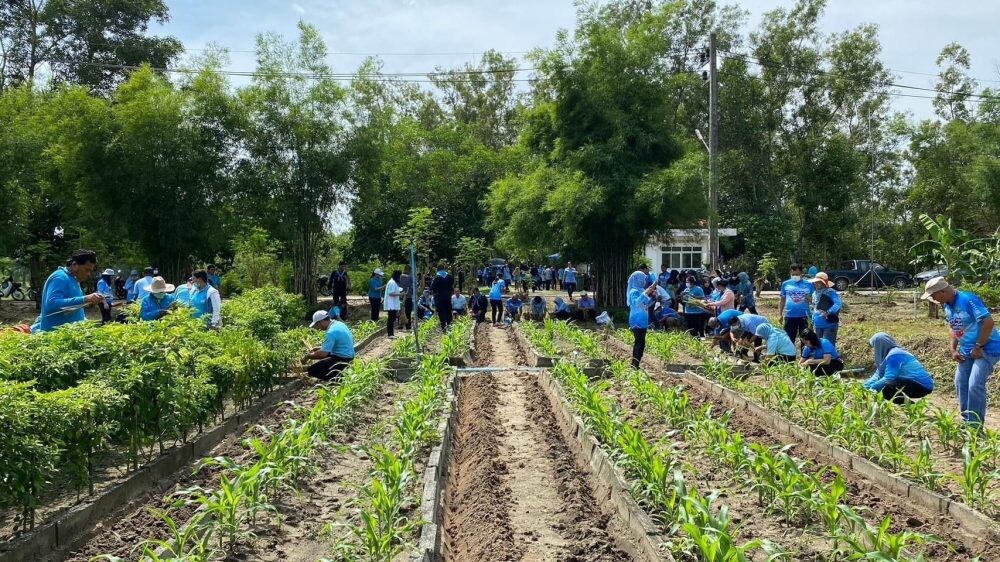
(681, 257)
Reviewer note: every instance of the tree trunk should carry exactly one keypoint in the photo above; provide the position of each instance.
(305, 283)
(613, 267)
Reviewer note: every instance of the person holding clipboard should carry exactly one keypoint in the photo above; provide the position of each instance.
(826, 308)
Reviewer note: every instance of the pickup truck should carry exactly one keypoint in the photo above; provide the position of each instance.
(868, 274)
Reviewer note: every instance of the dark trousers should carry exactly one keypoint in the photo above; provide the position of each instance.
(695, 324)
(744, 352)
(376, 307)
(105, 312)
(562, 315)
(834, 366)
(496, 310)
(479, 315)
(444, 312)
(390, 325)
(340, 300)
(408, 310)
(328, 369)
(586, 315)
(639, 346)
(783, 358)
(795, 326)
(570, 288)
(901, 392)
(752, 309)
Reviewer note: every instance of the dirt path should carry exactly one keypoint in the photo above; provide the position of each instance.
(511, 467)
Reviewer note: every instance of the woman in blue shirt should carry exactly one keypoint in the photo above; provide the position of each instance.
(899, 376)
(639, 295)
(779, 347)
(819, 355)
(826, 307)
(375, 288)
(496, 299)
(745, 292)
(695, 315)
(106, 288)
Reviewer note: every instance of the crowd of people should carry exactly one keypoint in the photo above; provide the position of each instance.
(723, 309)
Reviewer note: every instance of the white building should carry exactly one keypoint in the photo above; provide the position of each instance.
(682, 249)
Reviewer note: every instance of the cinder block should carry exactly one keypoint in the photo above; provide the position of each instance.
(973, 521)
(41, 541)
(928, 499)
(880, 476)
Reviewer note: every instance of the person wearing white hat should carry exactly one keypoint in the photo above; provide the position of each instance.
(337, 350)
(826, 307)
(158, 301)
(975, 345)
(375, 288)
(105, 286)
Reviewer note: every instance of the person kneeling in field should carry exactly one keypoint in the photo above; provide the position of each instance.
(743, 331)
(561, 311)
(512, 309)
(899, 376)
(337, 350)
(820, 355)
(586, 308)
(779, 346)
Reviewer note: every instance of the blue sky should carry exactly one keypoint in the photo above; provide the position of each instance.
(912, 31)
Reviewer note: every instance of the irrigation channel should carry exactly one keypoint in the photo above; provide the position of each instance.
(544, 447)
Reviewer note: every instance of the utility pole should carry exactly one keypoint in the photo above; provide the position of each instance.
(713, 152)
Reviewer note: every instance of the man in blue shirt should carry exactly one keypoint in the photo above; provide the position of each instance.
(794, 306)
(62, 297)
(105, 286)
(133, 278)
(141, 287)
(337, 350)
(569, 276)
(213, 277)
(975, 345)
(158, 302)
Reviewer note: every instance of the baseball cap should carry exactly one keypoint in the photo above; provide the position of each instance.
(319, 316)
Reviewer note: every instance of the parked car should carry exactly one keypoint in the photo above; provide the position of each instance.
(925, 276)
(868, 274)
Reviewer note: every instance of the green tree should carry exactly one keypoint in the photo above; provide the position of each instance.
(89, 42)
(422, 231)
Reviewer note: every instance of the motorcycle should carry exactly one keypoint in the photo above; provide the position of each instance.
(323, 285)
(12, 289)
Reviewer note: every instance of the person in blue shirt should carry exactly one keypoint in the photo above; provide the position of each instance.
(105, 286)
(184, 290)
(158, 302)
(536, 309)
(561, 310)
(130, 286)
(745, 293)
(975, 345)
(639, 295)
(213, 277)
(779, 346)
(820, 355)
(663, 279)
(337, 350)
(667, 317)
(62, 297)
(141, 287)
(512, 310)
(375, 288)
(569, 279)
(826, 306)
(206, 300)
(586, 308)
(794, 305)
(695, 315)
(496, 299)
(899, 376)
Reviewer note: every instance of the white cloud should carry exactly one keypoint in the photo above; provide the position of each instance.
(298, 8)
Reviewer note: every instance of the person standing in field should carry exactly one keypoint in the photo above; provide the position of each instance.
(213, 277)
(141, 287)
(745, 293)
(639, 296)
(975, 345)
(695, 315)
(569, 274)
(105, 287)
(496, 300)
(406, 284)
(340, 285)
(206, 300)
(794, 306)
(375, 287)
(62, 296)
(826, 307)
(391, 301)
(442, 286)
(133, 278)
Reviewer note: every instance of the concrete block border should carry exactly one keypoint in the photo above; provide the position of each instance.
(612, 486)
(535, 359)
(71, 528)
(430, 545)
(978, 530)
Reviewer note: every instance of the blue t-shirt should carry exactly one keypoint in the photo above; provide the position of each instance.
(373, 288)
(825, 348)
(638, 309)
(749, 322)
(900, 365)
(214, 280)
(61, 290)
(697, 293)
(570, 274)
(796, 295)
(496, 291)
(965, 316)
(338, 341)
(726, 317)
(666, 312)
(150, 307)
(818, 320)
(514, 305)
(662, 279)
(105, 289)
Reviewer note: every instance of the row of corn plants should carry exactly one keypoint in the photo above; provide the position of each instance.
(384, 526)
(541, 338)
(69, 395)
(228, 513)
(583, 341)
(795, 490)
(697, 528)
(912, 440)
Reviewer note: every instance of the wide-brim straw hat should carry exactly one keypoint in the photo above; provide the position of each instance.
(160, 286)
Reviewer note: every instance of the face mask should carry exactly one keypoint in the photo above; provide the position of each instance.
(690, 285)
(796, 278)
(158, 296)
